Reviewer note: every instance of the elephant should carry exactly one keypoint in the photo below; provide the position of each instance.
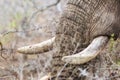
(84, 30)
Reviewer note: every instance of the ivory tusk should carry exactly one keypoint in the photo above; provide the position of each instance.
(37, 48)
(89, 53)
(47, 77)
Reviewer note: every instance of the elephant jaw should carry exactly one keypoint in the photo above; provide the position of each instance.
(88, 53)
(37, 48)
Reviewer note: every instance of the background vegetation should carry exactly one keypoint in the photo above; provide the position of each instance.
(24, 22)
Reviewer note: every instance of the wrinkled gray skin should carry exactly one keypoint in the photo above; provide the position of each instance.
(80, 23)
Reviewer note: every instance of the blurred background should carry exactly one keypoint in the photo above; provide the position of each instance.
(24, 22)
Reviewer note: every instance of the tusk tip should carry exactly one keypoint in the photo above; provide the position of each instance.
(67, 59)
(21, 50)
(47, 77)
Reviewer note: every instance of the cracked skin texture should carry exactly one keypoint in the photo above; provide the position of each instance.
(80, 23)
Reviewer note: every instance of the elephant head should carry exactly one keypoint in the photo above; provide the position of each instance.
(85, 24)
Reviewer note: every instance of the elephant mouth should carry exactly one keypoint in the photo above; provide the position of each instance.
(96, 46)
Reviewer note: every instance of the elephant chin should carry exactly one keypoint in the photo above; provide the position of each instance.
(88, 53)
(37, 48)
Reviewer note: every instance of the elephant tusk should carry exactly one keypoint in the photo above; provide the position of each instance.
(37, 48)
(47, 77)
(89, 53)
